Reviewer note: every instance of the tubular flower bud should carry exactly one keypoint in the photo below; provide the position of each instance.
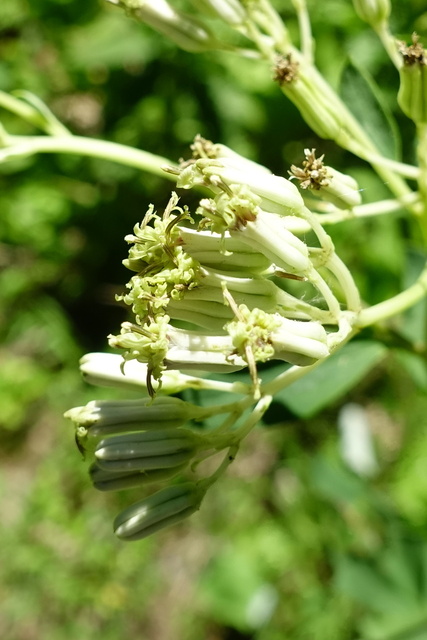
(218, 251)
(109, 370)
(100, 418)
(329, 184)
(268, 234)
(270, 336)
(118, 480)
(374, 12)
(139, 451)
(187, 32)
(300, 343)
(203, 148)
(231, 11)
(160, 510)
(312, 96)
(412, 96)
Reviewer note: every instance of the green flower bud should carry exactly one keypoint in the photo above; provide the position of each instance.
(160, 510)
(412, 95)
(161, 449)
(314, 99)
(187, 32)
(374, 12)
(329, 184)
(118, 480)
(104, 417)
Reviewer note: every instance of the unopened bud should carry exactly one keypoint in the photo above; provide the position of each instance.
(118, 480)
(231, 11)
(187, 32)
(101, 418)
(313, 97)
(109, 370)
(160, 510)
(374, 12)
(139, 451)
(300, 343)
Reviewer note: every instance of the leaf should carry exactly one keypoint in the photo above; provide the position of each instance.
(415, 366)
(365, 100)
(332, 379)
(235, 591)
(412, 324)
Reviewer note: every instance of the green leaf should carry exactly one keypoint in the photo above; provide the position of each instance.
(415, 366)
(333, 379)
(412, 324)
(366, 101)
(236, 592)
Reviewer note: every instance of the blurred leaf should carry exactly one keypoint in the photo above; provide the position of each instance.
(412, 324)
(235, 591)
(114, 42)
(364, 99)
(333, 378)
(415, 366)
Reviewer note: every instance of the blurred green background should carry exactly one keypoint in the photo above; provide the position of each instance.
(291, 544)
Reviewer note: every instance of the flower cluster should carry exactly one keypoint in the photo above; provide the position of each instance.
(249, 277)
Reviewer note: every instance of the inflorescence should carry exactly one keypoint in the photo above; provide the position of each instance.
(247, 278)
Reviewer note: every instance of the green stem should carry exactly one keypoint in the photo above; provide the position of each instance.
(340, 338)
(23, 146)
(306, 38)
(422, 179)
(40, 117)
(395, 305)
(366, 210)
(345, 279)
(206, 384)
(389, 44)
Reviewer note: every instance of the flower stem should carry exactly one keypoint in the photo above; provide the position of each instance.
(23, 146)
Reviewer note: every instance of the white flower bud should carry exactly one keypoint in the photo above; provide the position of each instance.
(231, 11)
(109, 370)
(187, 32)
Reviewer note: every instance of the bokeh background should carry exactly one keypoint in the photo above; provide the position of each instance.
(292, 544)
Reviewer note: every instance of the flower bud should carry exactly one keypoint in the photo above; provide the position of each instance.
(160, 510)
(300, 343)
(374, 12)
(161, 449)
(103, 417)
(109, 370)
(412, 95)
(231, 11)
(187, 32)
(314, 99)
(268, 234)
(118, 480)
